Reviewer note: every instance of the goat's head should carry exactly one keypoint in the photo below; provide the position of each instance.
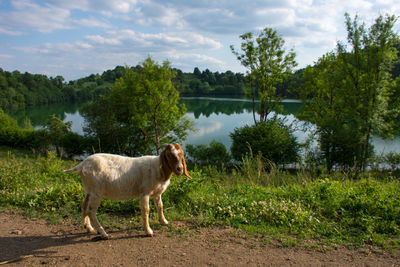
(173, 158)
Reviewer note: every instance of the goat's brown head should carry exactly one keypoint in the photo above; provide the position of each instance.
(173, 160)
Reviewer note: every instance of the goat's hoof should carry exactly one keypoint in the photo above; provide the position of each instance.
(149, 233)
(99, 238)
(165, 222)
(104, 237)
(91, 231)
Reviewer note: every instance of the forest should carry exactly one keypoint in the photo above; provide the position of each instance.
(19, 90)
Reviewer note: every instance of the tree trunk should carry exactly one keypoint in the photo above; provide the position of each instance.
(262, 111)
(254, 111)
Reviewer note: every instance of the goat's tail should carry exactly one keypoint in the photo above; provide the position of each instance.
(74, 169)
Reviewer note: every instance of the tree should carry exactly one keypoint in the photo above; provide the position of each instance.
(144, 103)
(268, 64)
(325, 106)
(348, 93)
(367, 70)
(113, 129)
(57, 131)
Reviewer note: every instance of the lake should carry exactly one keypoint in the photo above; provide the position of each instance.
(214, 119)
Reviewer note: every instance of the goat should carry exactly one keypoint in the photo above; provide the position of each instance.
(120, 178)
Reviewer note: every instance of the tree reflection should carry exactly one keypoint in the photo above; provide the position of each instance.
(208, 106)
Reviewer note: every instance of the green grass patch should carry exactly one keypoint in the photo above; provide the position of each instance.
(327, 210)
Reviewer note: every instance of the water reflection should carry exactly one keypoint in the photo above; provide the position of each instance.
(206, 106)
(41, 114)
(214, 118)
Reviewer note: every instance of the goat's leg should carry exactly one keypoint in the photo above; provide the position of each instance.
(159, 206)
(94, 203)
(85, 214)
(144, 206)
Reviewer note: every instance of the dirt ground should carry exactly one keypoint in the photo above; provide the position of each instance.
(33, 242)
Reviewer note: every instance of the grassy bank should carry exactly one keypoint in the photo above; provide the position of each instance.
(279, 205)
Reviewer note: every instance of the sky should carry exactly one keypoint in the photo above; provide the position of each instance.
(76, 38)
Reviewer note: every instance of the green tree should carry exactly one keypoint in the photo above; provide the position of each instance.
(267, 65)
(57, 131)
(348, 93)
(326, 105)
(144, 103)
(112, 128)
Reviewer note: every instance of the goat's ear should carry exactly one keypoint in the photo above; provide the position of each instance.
(185, 172)
(166, 146)
(164, 167)
(163, 146)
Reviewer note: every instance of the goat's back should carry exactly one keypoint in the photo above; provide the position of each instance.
(119, 177)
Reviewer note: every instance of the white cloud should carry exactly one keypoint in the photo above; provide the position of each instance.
(31, 15)
(97, 39)
(81, 36)
(102, 6)
(187, 61)
(160, 15)
(83, 45)
(4, 56)
(91, 22)
(126, 39)
(43, 17)
(9, 32)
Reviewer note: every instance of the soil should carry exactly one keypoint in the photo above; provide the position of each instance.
(33, 242)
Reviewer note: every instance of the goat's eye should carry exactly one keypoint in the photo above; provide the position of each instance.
(176, 159)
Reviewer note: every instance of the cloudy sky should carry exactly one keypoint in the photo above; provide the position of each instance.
(75, 38)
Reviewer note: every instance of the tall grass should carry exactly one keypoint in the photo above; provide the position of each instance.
(261, 200)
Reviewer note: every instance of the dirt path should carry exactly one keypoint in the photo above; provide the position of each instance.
(32, 242)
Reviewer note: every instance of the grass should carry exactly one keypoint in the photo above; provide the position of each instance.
(289, 208)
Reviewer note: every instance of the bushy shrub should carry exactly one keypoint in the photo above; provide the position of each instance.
(7, 122)
(75, 144)
(272, 138)
(214, 154)
(12, 135)
(393, 160)
(35, 139)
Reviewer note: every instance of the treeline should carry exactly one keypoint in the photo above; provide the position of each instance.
(207, 83)
(19, 90)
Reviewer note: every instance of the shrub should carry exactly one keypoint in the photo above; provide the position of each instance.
(393, 160)
(214, 154)
(57, 134)
(7, 122)
(75, 144)
(272, 138)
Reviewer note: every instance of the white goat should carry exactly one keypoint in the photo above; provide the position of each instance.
(119, 178)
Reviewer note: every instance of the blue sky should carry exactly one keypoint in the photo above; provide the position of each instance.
(75, 38)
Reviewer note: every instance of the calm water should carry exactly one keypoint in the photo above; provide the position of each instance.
(214, 119)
